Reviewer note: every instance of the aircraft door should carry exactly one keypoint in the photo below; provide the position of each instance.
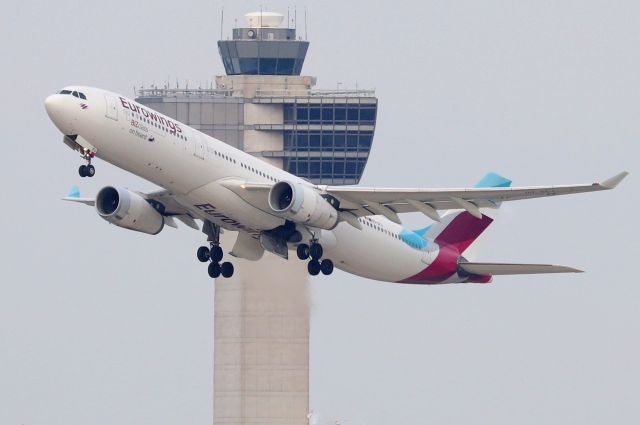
(112, 107)
(199, 146)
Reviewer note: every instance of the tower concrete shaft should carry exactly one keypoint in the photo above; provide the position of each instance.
(261, 344)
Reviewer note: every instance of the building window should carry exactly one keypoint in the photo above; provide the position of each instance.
(249, 66)
(285, 66)
(327, 113)
(340, 114)
(333, 169)
(330, 140)
(368, 114)
(268, 66)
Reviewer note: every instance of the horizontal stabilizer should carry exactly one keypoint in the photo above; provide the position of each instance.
(494, 269)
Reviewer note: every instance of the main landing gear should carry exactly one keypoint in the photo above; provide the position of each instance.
(315, 252)
(87, 170)
(214, 253)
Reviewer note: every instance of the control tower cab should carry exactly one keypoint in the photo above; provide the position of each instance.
(263, 48)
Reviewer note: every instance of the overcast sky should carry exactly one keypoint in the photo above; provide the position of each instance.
(99, 325)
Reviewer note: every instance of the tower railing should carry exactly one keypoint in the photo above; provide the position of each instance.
(200, 92)
(314, 92)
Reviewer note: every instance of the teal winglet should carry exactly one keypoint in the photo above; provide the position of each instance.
(74, 192)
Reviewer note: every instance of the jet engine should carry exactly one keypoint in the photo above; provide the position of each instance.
(301, 204)
(129, 210)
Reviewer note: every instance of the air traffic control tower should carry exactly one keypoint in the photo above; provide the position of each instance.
(265, 107)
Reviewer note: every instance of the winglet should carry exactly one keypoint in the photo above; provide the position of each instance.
(74, 196)
(493, 180)
(612, 182)
(74, 192)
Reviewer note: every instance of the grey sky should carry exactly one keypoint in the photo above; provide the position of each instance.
(103, 326)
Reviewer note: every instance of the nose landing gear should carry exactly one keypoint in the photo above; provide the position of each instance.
(315, 252)
(87, 170)
(214, 254)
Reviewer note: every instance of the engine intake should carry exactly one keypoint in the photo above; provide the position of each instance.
(302, 204)
(129, 210)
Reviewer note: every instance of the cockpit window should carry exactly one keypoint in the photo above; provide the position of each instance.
(74, 93)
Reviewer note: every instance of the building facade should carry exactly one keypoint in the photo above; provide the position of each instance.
(265, 107)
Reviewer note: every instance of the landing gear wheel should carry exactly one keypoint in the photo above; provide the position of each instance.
(216, 253)
(226, 269)
(313, 267)
(90, 171)
(214, 270)
(82, 171)
(203, 254)
(303, 251)
(326, 267)
(315, 250)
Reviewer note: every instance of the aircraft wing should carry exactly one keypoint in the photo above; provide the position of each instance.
(87, 201)
(362, 201)
(170, 206)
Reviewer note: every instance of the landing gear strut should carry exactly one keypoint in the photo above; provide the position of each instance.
(315, 252)
(87, 170)
(214, 253)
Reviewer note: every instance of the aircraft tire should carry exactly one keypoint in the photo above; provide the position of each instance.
(216, 253)
(214, 270)
(91, 170)
(316, 251)
(303, 251)
(82, 171)
(203, 254)
(313, 267)
(326, 267)
(226, 269)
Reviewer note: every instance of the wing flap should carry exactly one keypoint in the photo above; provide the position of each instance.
(247, 247)
(495, 269)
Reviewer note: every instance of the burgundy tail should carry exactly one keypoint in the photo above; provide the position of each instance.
(462, 230)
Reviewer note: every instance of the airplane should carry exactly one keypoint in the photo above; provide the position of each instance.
(356, 229)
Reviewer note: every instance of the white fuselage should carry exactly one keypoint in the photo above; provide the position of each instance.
(192, 165)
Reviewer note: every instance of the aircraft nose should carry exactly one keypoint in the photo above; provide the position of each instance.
(50, 104)
(55, 107)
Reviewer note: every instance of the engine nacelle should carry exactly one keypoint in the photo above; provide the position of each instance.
(303, 205)
(129, 210)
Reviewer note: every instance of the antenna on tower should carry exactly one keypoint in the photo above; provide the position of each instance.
(288, 19)
(295, 18)
(305, 24)
(221, 22)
